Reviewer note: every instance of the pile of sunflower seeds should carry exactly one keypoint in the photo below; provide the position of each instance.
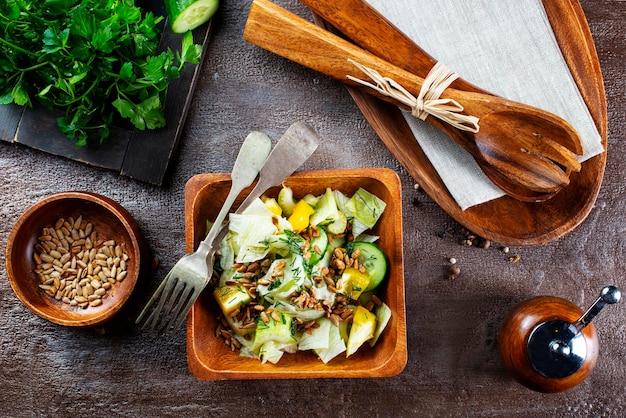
(75, 266)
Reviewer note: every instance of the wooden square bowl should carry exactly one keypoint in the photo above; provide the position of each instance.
(207, 355)
(111, 222)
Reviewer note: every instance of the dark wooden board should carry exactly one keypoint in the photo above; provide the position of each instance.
(9, 120)
(142, 155)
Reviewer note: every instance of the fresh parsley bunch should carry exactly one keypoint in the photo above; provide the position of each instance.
(96, 60)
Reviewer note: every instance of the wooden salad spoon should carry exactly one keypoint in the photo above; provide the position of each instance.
(364, 25)
(520, 143)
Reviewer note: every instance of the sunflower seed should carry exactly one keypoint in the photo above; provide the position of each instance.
(74, 266)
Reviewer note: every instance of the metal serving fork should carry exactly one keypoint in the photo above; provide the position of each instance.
(291, 151)
(188, 276)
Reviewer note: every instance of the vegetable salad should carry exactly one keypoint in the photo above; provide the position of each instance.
(302, 274)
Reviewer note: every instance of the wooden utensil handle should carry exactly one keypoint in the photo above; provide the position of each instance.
(290, 36)
(364, 25)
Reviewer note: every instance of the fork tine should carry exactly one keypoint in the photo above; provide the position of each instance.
(153, 299)
(556, 152)
(186, 309)
(175, 297)
(167, 293)
(172, 299)
(178, 313)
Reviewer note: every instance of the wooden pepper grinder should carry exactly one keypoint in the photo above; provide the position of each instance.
(548, 344)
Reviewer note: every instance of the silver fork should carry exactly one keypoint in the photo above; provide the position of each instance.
(291, 151)
(187, 278)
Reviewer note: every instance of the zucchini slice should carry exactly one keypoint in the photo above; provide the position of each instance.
(186, 15)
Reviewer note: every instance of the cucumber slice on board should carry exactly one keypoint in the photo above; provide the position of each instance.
(186, 15)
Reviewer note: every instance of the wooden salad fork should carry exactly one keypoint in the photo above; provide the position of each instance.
(518, 146)
(364, 25)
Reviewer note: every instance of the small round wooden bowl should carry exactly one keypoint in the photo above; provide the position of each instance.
(109, 219)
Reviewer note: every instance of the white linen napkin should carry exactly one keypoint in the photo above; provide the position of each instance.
(506, 47)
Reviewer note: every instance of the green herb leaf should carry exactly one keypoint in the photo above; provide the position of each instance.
(126, 72)
(191, 52)
(102, 40)
(20, 95)
(6, 99)
(96, 60)
(83, 23)
(53, 40)
(10, 9)
(126, 108)
(148, 114)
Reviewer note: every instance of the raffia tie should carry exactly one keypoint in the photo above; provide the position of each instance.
(428, 101)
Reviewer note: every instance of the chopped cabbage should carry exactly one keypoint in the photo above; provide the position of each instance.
(278, 331)
(365, 209)
(318, 339)
(336, 345)
(251, 232)
(383, 315)
(294, 277)
(305, 315)
(327, 214)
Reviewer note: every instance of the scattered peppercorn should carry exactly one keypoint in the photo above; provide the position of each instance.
(484, 243)
(472, 240)
(454, 270)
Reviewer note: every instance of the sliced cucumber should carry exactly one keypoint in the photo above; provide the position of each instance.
(185, 15)
(374, 260)
(286, 201)
(325, 260)
(319, 247)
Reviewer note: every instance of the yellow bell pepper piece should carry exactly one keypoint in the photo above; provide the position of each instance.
(363, 327)
(272, 205)
(353, 282)
(299, 218)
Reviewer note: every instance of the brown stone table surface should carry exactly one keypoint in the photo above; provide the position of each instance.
(453, 364)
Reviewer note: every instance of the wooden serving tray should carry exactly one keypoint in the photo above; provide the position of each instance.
(125, 150)
(506, 220)
(209, 358)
